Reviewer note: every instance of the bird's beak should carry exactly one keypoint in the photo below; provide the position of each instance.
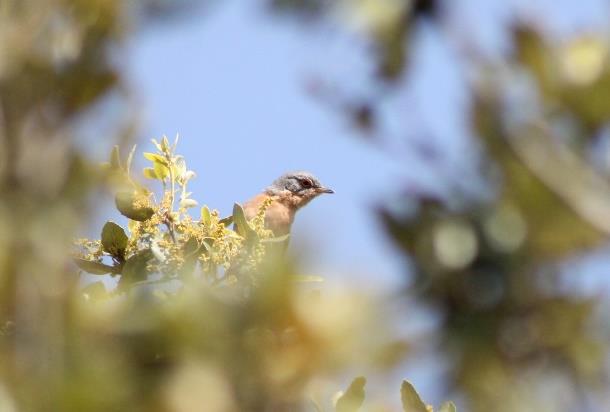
(326, 190)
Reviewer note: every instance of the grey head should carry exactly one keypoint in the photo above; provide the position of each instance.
(301, 184)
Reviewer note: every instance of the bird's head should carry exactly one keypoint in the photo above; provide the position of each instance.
(301, 187)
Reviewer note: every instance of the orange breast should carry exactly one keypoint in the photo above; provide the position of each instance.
(278, 217)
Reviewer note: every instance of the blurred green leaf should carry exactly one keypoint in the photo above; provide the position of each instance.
(130, 160)
(95, 290)
(114, 240)
(448, 407)
(353, 398)
(206, 216)
(188, 203)
(191, 247)
(135, 268)
(161, 171)
(149, 173)
(411, 402)
(115, 159)
(126, 204)
(155, 158)
(92, 267)
(242, 226)
(226, 220)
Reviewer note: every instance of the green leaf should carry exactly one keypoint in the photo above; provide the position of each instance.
(95, 290)
(208, 244)
(114, 240)
(180, 168)
(135, 267)
(155, 158)
(93, 267)
(161, 171)
(353, 398)
(149, 173)
(448, 407)
(226, 221)
(115, 159)
(188, 203)
(125, 204)
(191, 247)
(411, 402)
(130, 159)
(206, 216)
(165, 144)
(242, 226)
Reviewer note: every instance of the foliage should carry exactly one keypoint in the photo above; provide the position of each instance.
(205, 317)
(163, 237)
(353, 398)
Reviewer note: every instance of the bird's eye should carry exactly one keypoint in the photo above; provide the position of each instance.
(306, 183)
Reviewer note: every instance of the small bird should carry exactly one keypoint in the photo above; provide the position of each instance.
(288, 193)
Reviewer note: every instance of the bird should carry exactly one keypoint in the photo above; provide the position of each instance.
(288, 193)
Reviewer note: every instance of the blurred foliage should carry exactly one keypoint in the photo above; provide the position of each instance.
(353, 398)
(207, 315)
(493, 267)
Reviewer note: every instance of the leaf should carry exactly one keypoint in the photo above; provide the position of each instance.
(114, 240)
(226, 221)
(179, 170)
(125, 204)
(191, 247)
(206, 216)
(208, 244)
(135, 267)
(161, 171)
(149, 173)
(130, 159)
(165, 144)
(448, 407)
(411, 402)
(93, 267)
(95, 290)
(188, 175)
(188, 203)
(115, 159)
(155, 158)
(353, 398)
(242, 226)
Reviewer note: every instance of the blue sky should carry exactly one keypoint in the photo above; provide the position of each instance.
(232, 84)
